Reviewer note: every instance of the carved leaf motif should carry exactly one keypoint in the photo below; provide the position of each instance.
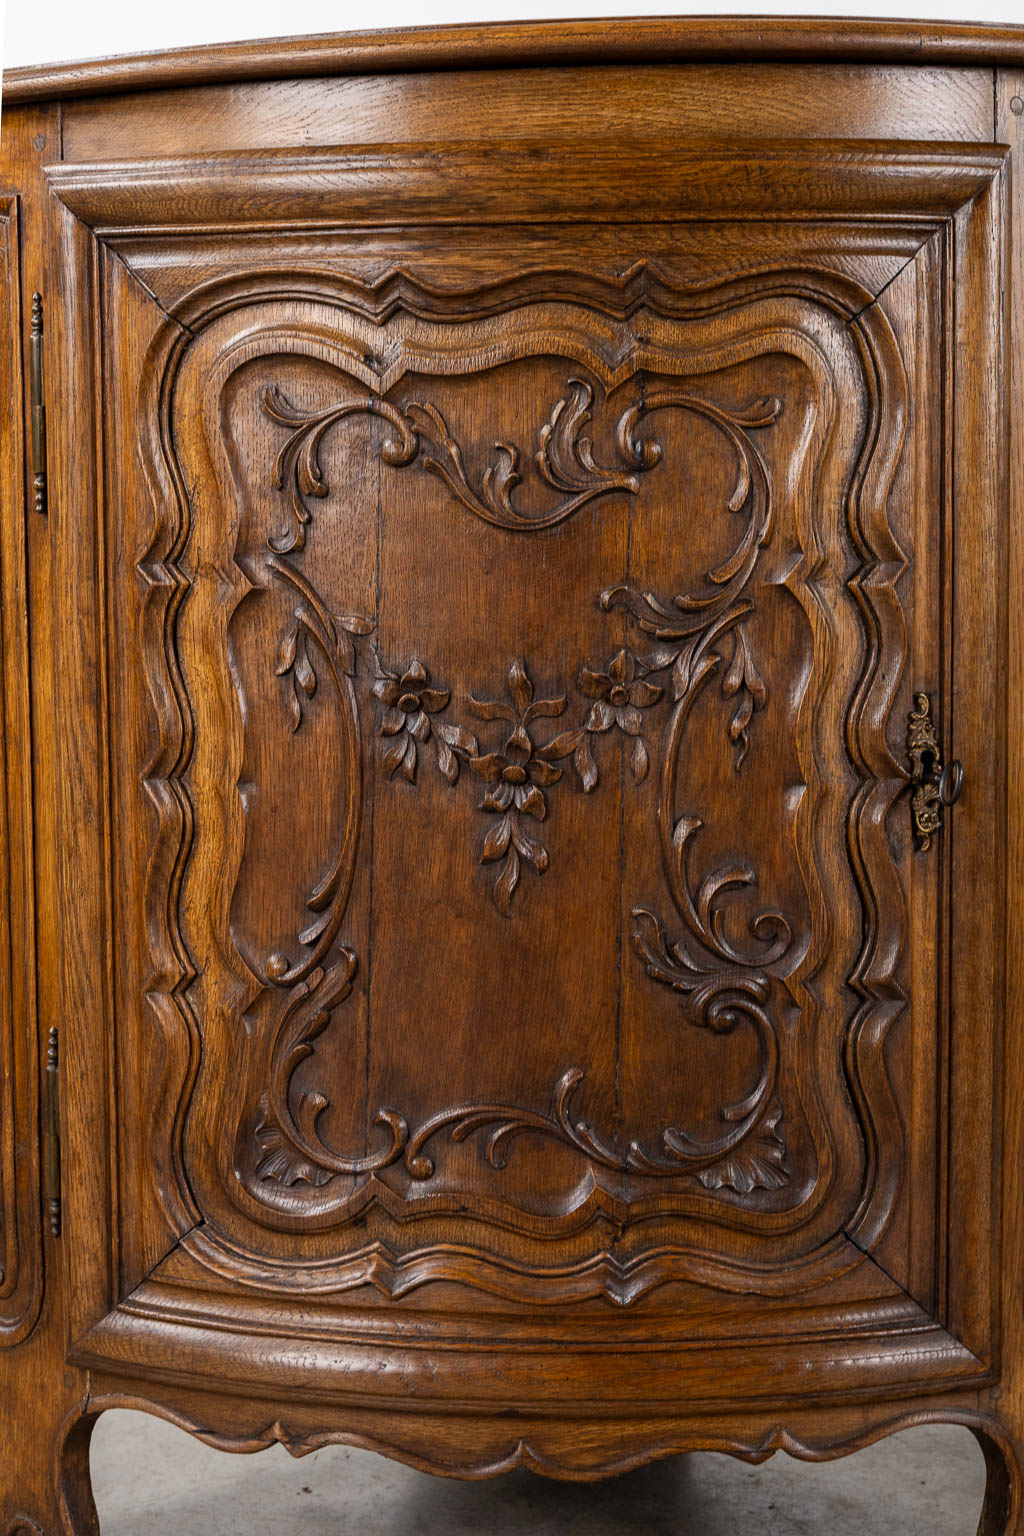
(520, 687)
(403, 757)
(501, 479)
(304, 674)
(446, 759)
(497, 840)
(566, 459)
(560, 746)
(533, 804)
(532, 850)
(293, 662)
(280, 1162)
(757, 1163)
(286, 653)
(354, 625)
(506, 883)
(585, 764)
(459, 739)
(744, 682)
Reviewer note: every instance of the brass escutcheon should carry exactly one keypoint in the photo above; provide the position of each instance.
(934, 786)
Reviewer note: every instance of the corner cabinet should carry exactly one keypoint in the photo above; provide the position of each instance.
(512, 748)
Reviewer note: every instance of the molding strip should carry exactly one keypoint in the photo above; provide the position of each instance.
(502, 45)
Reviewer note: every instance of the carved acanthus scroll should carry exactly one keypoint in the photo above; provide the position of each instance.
(564, 460)
(722, 986)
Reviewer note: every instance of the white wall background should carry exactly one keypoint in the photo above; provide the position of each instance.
(41, 31)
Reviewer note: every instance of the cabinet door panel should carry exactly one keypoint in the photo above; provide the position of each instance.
(525, 654)
(514, 668)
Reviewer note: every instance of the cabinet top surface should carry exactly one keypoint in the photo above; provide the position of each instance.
(510, 45)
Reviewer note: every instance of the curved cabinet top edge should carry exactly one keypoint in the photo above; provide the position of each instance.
(497, 45)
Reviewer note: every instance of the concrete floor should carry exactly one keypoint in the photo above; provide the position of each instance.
(153, 1480)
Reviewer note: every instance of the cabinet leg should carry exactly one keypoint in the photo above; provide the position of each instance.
(45, 1487)
(1002, 1513)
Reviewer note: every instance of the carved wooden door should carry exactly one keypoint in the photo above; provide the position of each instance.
(517, 620)
(531, 854)
(524, 860)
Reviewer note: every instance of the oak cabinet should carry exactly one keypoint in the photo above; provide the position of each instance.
(511, 661)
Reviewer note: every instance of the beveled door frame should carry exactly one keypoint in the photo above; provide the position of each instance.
(954, 189)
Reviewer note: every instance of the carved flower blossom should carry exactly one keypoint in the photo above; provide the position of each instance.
(408, 703)
(518, 775)
(619, 696)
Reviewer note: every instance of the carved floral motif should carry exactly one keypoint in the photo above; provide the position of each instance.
(722, 985)
(620, 694)
(518, 776)
(409, 703)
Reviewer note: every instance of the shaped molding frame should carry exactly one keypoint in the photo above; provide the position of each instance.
(603, 346)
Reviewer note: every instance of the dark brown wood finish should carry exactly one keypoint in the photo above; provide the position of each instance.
(513, 45)
(528, 545)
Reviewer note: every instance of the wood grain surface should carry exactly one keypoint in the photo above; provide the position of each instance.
(514, 45)
(529, 542)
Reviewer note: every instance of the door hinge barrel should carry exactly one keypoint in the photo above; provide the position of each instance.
(51, 1133)
(37, 403)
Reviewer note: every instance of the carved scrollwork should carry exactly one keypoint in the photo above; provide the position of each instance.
(564, 459)
(722, 990)
(715, 1161)
(564, 456)
(314, 626)
(723, 986)
(712, 622)
(292, 1147)
(297, 466)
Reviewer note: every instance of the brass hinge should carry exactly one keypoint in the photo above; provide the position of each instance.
(51, 1133)
(37, 403)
